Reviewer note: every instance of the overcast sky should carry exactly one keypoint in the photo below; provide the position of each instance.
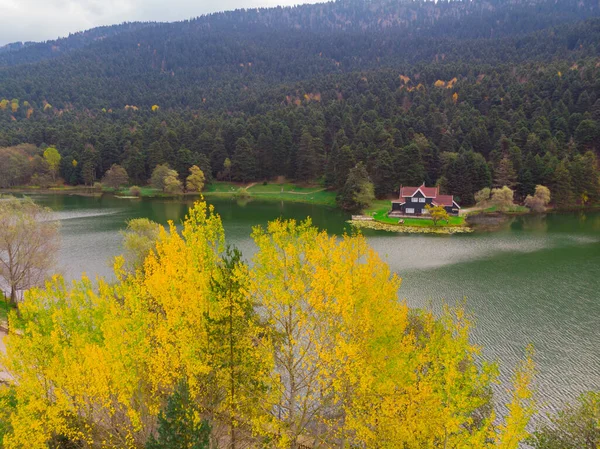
(37, 20)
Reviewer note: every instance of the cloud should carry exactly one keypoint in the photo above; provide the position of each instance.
(37, 20)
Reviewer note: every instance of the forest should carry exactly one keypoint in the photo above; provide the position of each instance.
(411, 90)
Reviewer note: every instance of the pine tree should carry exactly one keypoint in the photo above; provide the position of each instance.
(306, 158)
(562, 188)
(358, 191)
(409, 166)
(504, 174)
(179, 424)
(243, 163)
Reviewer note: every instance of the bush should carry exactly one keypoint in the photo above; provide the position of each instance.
(135, 191)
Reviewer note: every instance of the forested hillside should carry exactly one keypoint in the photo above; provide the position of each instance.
(460, 94)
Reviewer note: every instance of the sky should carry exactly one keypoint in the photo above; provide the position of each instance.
(39, 20)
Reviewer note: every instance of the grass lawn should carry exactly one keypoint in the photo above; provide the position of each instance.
(221, 187)
(280, 192)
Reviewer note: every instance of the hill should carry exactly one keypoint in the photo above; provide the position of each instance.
(419, 91)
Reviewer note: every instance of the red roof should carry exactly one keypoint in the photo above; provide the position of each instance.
(428, 192)
(443, 200)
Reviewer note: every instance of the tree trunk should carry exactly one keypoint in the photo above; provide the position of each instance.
(13, 296)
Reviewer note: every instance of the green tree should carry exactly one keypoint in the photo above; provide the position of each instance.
(587, 135)
(243, 163)
(234, 330)
(358, 192)
(409, 166)
(562, 187)
(577, 426)
(306, 158)
(504, 174)
(180, 425)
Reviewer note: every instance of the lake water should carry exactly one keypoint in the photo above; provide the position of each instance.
(535, 281)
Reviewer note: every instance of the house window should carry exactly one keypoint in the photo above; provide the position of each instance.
(415, 200)
(421, 200)
(410, 210)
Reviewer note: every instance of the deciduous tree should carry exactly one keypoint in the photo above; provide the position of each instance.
(115, 177)
(437, 213)
(52, 158)
(195, 180)
(28, 244)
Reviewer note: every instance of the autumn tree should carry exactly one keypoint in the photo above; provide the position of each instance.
(161, 174)
(115, 177)
(195, 180)
(28, 244)
(482, 197)
(539, 200)
(172, 184)
(52, 158)
(502, 198)
(139, 239)
(437, 213)
(307, 345)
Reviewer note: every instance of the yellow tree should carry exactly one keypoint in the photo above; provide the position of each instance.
(52, 158)
(195, 180)
(95, 366)
(437, 213)
(309, 345)
(355, 367)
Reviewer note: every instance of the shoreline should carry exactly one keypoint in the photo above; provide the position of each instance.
(407, 229)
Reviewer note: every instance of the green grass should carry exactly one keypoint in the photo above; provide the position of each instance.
(221, 187)
(516, 209)
(280, 192)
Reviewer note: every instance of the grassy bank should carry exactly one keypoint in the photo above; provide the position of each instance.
(410, 229)
(278, 192)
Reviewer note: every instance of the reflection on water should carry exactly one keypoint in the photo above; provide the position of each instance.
(537, 280)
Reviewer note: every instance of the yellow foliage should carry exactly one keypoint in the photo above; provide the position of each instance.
(155, 108)
(309, 343)
(439, 83)
(455, 97)
(3, 104)
(405, 79)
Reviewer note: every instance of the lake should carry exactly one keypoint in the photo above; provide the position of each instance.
(537, 280)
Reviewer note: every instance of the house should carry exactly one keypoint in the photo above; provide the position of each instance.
(412, 201)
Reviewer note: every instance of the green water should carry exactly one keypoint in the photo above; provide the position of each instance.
(535, 281)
